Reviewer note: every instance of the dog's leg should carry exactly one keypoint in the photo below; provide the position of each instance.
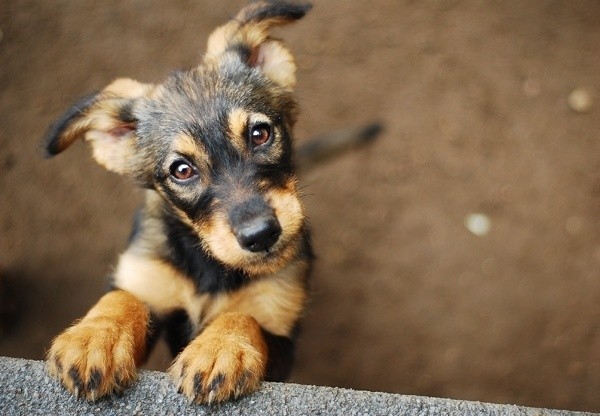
(249, 339)
(98, 355)
(228, 359)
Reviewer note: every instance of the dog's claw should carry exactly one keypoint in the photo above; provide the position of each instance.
(211, 397)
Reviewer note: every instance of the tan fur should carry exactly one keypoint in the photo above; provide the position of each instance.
(114, 154)
(288, 210)
(271, 56)
(221, 241)
(103, 348)
(127, 88)
(111, 140)
(158, 284)
(225, 361)
(192, 148)
(113, 151)
(275, 301)
(278, 63)
(238, 122)
(259, 118)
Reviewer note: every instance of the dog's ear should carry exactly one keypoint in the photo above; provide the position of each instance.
(247, 35)
(105, 119)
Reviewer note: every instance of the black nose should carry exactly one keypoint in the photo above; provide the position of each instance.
(259, 234)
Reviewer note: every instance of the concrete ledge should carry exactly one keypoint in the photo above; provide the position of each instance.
(26, 389)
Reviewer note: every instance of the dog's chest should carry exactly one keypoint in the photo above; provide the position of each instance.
(274, 301)
(164, 289)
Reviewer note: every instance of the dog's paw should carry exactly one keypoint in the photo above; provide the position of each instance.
(225, 362)
(93, 358)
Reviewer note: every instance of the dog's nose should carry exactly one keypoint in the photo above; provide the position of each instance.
(259, 234)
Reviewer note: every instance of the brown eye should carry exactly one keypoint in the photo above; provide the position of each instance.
(260, 134)
(182, 170)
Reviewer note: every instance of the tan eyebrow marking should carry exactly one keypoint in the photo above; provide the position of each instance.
(238, 121)
(188, 146)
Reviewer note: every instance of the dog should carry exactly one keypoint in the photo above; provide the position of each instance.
(220, 253)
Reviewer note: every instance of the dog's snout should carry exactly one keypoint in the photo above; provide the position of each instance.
(259, 234)
(255, 224)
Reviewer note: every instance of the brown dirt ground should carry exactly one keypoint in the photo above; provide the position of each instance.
(473, 97)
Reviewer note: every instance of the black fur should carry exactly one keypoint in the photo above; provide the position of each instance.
(186, 254)
(155, 328)
(282, 352)
(179, 331)
(54, 132)
(126, 113)
(197, 208)
(184, 251)
(285, 9)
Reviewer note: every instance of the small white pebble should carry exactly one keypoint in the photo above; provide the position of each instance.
(580, 100)
(478, 224)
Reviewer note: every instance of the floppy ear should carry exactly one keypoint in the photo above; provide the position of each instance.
(105, 120)
(248, 36)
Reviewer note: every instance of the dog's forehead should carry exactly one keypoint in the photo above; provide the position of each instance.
(202, 97)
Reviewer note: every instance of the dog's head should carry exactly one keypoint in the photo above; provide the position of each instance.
(214, 142)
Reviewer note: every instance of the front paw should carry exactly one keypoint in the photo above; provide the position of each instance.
(225, 362)
(93, 358)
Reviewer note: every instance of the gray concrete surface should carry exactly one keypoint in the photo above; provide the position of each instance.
(26, 389)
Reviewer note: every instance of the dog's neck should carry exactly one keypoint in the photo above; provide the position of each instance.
(186, 254)
(159, 233)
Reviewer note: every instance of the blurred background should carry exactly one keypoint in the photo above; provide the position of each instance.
(458, 256)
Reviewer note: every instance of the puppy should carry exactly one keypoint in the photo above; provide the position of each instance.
(220, 252)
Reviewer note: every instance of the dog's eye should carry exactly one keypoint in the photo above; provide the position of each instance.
(181, 170)
(260, 134)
